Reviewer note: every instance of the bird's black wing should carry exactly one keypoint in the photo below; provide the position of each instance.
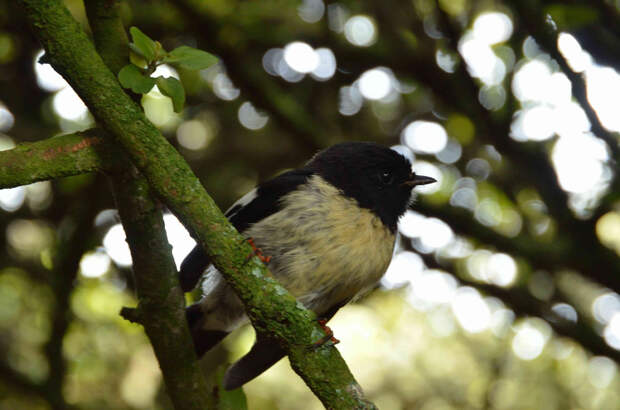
(251, 208)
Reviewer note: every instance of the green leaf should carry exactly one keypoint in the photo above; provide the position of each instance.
(136, 57)
(143, 44)
(190, 58)
(171, 87)
(131, 77)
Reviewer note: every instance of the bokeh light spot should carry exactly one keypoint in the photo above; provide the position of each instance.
(360, 31)
(565, 311)
(606, 306)
(350, 101)
(94, 264)
(194, 135)
(470, 310)
(577, 59)
(405, 267)
(47, 78)
(603, 88)
(430, 170)
(612, 331)
(311, 11)
(327, 65)
(493, 27)
(431, 289)
(583, 149)
(425, 136)
(608, 230)
(69, 105)
(224, 88)
(375, 84)
(116, 246)
(601, 371)
(11, 199)
(528, 343)
(301, 57)
(250, 117)
(180, 239)
(481, 60)
(501, 269)
(7, 119)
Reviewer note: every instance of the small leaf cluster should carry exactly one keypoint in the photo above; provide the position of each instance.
(146, 54)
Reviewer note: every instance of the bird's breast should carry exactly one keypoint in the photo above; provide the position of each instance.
(325, 249)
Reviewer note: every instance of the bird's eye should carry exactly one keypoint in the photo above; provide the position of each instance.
(386, 177)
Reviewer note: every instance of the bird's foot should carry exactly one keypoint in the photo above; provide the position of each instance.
(329, 335)
(258, 252)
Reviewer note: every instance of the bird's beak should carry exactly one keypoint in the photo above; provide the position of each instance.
(415, 180)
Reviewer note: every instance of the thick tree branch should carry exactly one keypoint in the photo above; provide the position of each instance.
(161, 308)
(56, 157)
(270, 307)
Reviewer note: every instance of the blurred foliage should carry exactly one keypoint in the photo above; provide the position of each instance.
(505, 290)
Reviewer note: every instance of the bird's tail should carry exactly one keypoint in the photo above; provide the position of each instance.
(264, 354)
(204, 339)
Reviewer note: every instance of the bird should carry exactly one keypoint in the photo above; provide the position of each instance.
(328, 230)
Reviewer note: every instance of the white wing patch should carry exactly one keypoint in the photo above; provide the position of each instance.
(241, 203)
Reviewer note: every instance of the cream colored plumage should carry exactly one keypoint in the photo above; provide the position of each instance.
(329, 229)
(324, 249)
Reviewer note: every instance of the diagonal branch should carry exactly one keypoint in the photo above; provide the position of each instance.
(161, 303)
(270, 307)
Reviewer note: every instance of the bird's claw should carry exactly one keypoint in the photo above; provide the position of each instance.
(329, 335)
(258, 252)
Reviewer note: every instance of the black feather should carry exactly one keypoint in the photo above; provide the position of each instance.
(192, 267)
(265, 353)
(203, 339)
(267, 201)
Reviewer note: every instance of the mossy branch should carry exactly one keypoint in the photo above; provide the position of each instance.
(61, 156)
(161, 306)
(269, 306)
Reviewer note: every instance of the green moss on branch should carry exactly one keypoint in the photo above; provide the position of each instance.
(161, 307)
(269, 306)
(56, 157)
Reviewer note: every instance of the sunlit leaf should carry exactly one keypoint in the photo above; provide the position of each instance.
(171, 87)
(131, 77)
(143, 43)
(136, 57)
(190, 58)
